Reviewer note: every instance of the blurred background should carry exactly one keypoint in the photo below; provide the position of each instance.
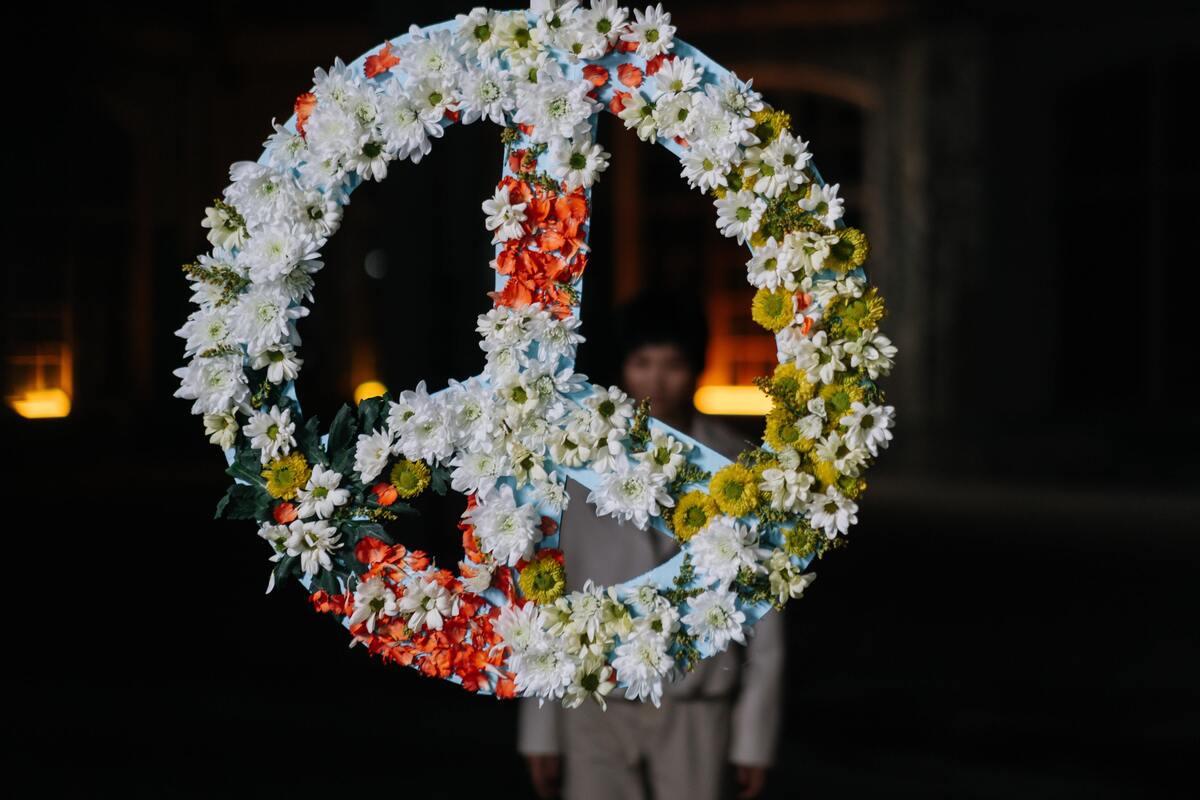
(1015, 612)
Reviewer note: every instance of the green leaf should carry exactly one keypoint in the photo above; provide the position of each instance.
(308, 440)
(343, 438)
(370, 411)
(247, 466)
(241, 502)
(440, 479)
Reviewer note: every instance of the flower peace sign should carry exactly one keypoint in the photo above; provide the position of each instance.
(510, 437)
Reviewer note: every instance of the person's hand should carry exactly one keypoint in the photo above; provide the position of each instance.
(751, 780)
(545, 771)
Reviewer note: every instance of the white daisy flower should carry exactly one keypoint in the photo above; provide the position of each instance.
(738, 213)
(715, 618)
(846, 459)
(872, 351)
(652, 31)
(674, 76)
(823, 203)
(508, 531)
(672, 115)
(638, 113)
(867, 426)
(223, 231)
(429, 603)
(820, 359)
(832, 512)
(594, 679)
(789, 488)
(312, 540)
(612, 411)
(606, 18)
(371, 453)
(475, 34)
(736, 95)
(271, 432)
(770, 267)
(504, 216)
(664, 453)
(787, 582)
(281, 362)
(221, 429)
(373, 598)
(321, 495)
(718, 128)
(578, 161)
(703, 168)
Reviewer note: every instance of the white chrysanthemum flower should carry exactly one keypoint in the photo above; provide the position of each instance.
(594, 679)
(487, 93)
(641, 662)
(521, 628)
(722, 547)
(551, 493)
(823, 203)
(789, 488)
(271, 432)
(786, 581)
(608, 453)
(422, 426)
(217, 384)
(556, 109)
(771, 265)
(664, 453)
(715, 618)
(868, 426)
(832, 512)
(577, 161)
(373, 598)
(430, 54)
(221, 429)
(544, 673)
(223, 230)
(517, 41)
(477, 472)
(703, 168)
(433, 97)
(572, 447)
(652, 32)
(872, 351)
(737, 96)
(406, 131)
(206, 328)
(504, 216)
(632, 493)
(738, 213)
(275, 250)
(716, 127)
(371, 453)
(672, 115)
(281, 362)
(506, 530)
(475, 578)
(638, 113)
(312, 540)
(429, 603)
(321, 495)
(262, 315)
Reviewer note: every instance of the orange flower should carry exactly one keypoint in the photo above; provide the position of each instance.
(451, 115)
(617, 104)
(597, 74)
(525, 128)
(655, 64)
(623, 46)
(284, 513)
(303, 107)
(385, 493)
(629, 75)
(370, 549)
(379, 62)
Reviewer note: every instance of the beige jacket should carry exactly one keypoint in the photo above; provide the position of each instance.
(750, 676)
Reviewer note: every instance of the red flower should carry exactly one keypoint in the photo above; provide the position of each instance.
(597, 74)
(303, 107)
(629, 75)
(379, 62)
(284, 513)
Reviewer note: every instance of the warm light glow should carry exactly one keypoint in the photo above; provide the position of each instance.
(368, 389)
(42, 404)
(731, 400)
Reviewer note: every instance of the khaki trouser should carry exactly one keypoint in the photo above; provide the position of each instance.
(635, 751)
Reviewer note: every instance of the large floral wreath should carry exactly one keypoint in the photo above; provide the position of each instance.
(509, 437)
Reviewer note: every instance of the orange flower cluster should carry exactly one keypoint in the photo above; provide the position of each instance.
(466, 646)
(550, 255)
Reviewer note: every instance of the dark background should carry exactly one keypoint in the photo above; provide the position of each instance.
(1014, 614)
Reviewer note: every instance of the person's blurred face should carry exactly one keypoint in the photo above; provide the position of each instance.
(662, 373)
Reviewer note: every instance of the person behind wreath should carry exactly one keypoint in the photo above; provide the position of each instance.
(720, 722)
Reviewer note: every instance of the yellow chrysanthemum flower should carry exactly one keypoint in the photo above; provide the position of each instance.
(838, 397)
(543, 580)
(846, 317)
(800, 540)
(824, 471)
(774, 310)
(850, 251)
(782, 432)
(734, 490)
(692, 512)
(287, 475)
(770, 123)
(793, 383)
(410, 477)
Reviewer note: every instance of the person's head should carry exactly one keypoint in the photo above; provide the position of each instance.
(662, 340)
